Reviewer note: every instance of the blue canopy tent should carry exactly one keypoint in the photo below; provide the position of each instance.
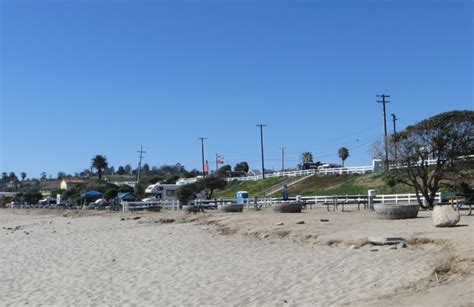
(126, 196)
(90, 194)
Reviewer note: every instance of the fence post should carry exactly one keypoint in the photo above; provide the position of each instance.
(370, 199)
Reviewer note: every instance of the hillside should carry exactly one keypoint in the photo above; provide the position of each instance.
(353, 184)
(254, 188)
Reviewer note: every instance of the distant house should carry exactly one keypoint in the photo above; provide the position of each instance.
(48, 187)
(67, 184)
(254, 172)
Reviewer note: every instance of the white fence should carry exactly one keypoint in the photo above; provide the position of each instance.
(321, 171)
(142, 205)
(330, 199)
(403, 198)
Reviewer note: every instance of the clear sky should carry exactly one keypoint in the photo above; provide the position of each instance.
(80, 78)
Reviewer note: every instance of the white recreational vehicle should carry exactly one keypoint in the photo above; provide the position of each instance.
(162, 191)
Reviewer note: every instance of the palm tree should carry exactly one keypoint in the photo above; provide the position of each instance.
(23, 176)
(343, 153)
(99, 162)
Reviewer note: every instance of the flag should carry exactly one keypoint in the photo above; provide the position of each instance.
(220, 159)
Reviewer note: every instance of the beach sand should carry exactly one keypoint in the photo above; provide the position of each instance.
(50, 257)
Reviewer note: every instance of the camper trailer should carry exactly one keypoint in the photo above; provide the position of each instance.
(161, 191)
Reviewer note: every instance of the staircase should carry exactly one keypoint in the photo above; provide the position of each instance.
(289, 182)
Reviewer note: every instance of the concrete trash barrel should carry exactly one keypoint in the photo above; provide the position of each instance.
(396, 212)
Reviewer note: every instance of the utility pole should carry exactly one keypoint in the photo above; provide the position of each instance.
(283, 159)
(141, 152)
(261, 148)
(384, 101)
(394, 119)
(202, 155)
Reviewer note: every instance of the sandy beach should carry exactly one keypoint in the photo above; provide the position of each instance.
(50, 257)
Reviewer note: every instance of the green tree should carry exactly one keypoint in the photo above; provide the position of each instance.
(125, 188)
(99, 162)
(140, 188)
(242, 167)
(121, 170)
(12, 177)
(32, 197)
(146, 169)
(448, 138)
(128, 169)
(23, 176)
(306, 157)
(111, 170)
(211, 183)
(343, 154)
(187, 192)
(110, 193)
(224, 171)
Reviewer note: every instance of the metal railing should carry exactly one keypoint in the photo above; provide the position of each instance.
(288, 183)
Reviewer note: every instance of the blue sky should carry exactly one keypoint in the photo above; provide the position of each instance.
(80, 78)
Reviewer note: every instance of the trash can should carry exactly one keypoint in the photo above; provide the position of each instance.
(285, 192)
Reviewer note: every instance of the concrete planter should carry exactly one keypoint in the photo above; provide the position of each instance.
(396, 212)
(288, 208)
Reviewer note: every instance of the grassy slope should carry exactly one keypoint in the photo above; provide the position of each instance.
(254, 188)
(330, 185)
(316, 185)
(346, 184)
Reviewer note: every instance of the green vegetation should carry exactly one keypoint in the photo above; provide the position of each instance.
(343, 154)
(254, 188)
(208, 185)
(99, 162)
(448, 138)
(353, 184)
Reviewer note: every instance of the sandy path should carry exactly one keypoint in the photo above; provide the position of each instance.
(103, 260)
